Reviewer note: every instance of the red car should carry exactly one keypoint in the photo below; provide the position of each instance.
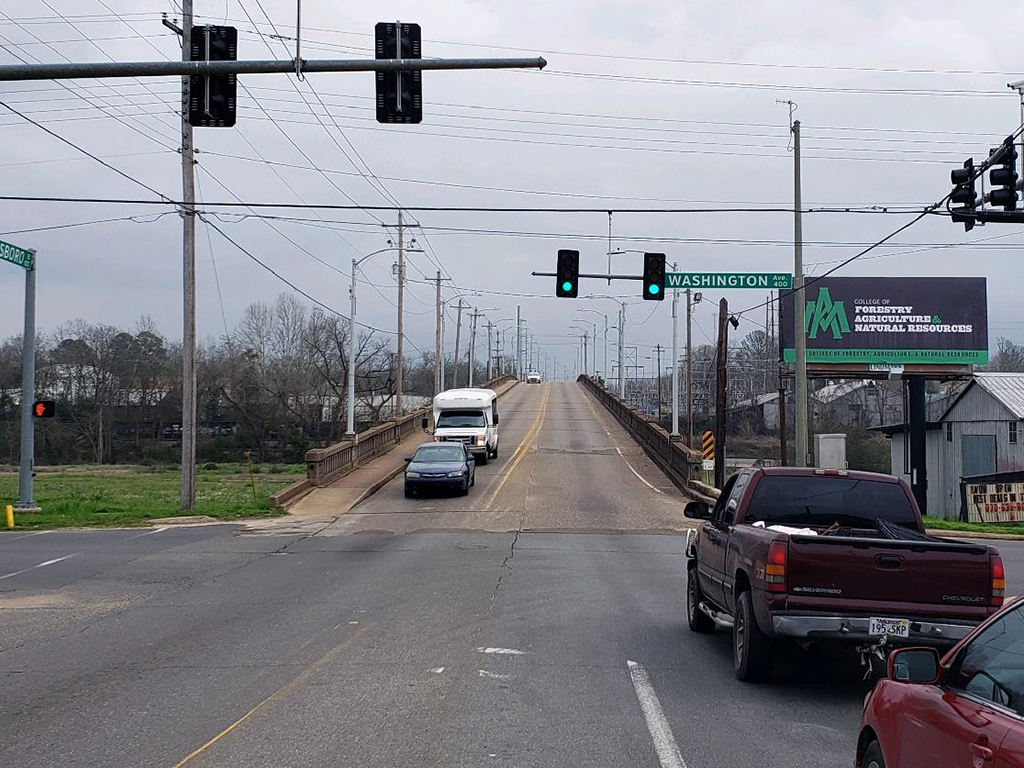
(963, 710)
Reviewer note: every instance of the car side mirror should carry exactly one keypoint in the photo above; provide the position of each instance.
(914, 665)
(425, 423)
(408, 459)
(697, 510)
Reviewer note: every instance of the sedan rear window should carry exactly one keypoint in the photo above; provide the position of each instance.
(817, 500)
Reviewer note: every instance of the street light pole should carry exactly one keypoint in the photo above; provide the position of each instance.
(675, 362)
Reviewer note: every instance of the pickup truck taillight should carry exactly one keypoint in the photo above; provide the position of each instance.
(998, 580)
(775, 568)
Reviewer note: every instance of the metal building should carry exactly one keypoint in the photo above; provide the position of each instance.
(981, 432)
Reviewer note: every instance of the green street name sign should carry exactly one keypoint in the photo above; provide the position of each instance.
(769, 280)
(18, 256)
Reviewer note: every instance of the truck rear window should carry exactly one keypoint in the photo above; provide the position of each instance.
(822, 501)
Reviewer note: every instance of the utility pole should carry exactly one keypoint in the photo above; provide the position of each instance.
(721, 390)
(458, 334)
(188, 336)
(519, 344)
(443, 320)
(658, 374)
(401, 317)
(586, 369)
(689, 371)
(674, 434)
(622, 352)
(472, 345)
(783, 424)
(801, 303)
(490, 350)
(438, 362)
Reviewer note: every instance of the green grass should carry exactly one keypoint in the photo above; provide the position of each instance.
(956, 525)
(121, 495)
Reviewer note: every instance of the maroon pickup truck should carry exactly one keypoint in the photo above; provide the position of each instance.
(818, 555)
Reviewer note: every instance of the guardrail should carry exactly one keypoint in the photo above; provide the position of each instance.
(325, 465)
(681, 464)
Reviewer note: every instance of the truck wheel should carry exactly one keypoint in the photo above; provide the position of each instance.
(873, 756)
(494, 453)
(482, 458)
(695, 617)
(751, 648)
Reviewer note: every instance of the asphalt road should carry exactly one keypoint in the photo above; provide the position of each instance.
(434, 632)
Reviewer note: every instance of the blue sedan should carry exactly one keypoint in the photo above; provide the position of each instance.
(447, 466)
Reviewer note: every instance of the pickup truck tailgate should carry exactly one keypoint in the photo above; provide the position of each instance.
(827, 567)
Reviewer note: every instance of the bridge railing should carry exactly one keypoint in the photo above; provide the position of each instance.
(681, 464)
(325, 465)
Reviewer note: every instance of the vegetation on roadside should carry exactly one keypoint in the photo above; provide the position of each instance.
(120, 495)
(1016, 529)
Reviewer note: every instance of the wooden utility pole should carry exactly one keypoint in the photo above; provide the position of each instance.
(401, 317)
(800, 398)
(689, 372)
(471, 357)
(458, 334)
(721, 392)
(188, 336)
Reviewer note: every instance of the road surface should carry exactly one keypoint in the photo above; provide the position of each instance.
(537, 622)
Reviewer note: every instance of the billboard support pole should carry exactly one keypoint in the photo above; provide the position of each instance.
(918, 461)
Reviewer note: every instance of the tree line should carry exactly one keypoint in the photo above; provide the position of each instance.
(275, 385)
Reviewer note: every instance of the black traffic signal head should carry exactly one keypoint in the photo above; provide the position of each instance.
(654, 276)
(964, 194)
(567, 276)
(44, 409)
(1004, 176)
(211, 102)
(399, 94)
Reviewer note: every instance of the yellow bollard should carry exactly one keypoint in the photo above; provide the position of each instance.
(10, 516)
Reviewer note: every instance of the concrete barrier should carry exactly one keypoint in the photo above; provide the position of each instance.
(679, 463)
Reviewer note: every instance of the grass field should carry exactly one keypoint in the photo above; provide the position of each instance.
(956, 525)
(116, 495)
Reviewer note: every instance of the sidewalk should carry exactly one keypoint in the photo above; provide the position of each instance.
(322, 506)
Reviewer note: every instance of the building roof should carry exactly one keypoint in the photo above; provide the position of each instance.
(756, 401)
(1007, 388)
(832, 392)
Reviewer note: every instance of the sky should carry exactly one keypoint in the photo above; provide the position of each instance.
(642, 105)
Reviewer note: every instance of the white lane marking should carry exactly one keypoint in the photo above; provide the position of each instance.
(28, 535)
(148, 533)
(502, 651)
(661, 733)
(39, 565)
(495, 675)
(656, 490)
(438, 670)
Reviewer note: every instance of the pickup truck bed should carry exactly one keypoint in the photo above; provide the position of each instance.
(851, 582)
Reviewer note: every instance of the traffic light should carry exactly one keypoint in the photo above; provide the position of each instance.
(211, 100)
(44, 409)
(1004, 176)
(964, 194)
(399, 94)
(567, 276)
(654, 276)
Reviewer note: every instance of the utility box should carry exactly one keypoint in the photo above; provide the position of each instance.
(830, 451)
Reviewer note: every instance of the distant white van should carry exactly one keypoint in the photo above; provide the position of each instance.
(468, 416)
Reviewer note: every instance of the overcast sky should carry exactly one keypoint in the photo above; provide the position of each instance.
(643, 104)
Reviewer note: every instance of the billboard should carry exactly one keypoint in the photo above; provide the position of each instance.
(894, 320)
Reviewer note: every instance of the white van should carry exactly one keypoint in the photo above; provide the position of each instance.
(468, 416)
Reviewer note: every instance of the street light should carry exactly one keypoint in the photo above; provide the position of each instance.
(622, 337)
(593, 325)
(605, 356)
(585, 369)
(350, 426)
(491, 352)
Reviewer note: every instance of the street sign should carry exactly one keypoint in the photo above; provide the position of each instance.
(728, 280)
(21, 257)
(708, 465)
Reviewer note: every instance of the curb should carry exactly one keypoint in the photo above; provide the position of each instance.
(946, 533)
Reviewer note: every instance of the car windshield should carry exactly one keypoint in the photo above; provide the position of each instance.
(461, 419)
(817, 500)
(432, 453)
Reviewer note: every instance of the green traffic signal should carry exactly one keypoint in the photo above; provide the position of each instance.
(654, 289)
(566, 286)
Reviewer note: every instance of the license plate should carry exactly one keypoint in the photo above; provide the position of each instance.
(894, 627)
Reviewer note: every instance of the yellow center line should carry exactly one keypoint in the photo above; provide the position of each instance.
(281, 693)
(523, 448)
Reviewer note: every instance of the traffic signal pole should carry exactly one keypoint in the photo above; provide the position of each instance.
(28, 396)
(188, 256)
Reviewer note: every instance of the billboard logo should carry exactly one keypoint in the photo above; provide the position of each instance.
(825, 315)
